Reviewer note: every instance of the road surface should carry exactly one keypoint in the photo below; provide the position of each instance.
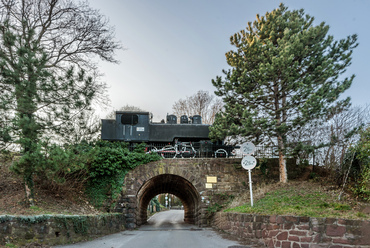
(164, 230)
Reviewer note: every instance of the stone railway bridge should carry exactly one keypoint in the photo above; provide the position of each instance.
(196, 182)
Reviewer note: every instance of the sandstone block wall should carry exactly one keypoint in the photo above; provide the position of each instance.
(295, 232)
(57, 229)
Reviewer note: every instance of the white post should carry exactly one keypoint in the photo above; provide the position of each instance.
(250, 186)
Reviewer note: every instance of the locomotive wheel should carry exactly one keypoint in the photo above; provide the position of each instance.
(168, 152)
(188, 152)
(221, 153)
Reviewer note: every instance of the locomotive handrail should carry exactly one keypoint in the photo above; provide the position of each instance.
(183, 149)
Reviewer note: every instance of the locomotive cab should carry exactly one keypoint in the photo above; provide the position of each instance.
(128, 126)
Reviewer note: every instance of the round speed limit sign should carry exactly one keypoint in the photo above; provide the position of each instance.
(249, 162)
(247, 148)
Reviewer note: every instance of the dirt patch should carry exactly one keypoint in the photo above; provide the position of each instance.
(48, 200)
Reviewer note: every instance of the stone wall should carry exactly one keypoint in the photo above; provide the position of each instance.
(295, 232)
(57, 229)
(188, 179)
(199, 183)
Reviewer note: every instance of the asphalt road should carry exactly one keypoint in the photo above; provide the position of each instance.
(164, 230)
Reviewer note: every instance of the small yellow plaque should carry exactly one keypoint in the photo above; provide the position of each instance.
(211, 179)
(208, 185)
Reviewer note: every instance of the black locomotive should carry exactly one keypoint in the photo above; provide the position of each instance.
(170, 139)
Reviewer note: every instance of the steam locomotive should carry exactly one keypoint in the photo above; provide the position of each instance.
(189, 138)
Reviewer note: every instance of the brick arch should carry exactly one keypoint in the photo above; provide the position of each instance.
(172, 184)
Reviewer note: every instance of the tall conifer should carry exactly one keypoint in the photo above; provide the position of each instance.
(285, 72)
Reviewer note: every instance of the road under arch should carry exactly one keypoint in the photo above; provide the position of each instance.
(172, 184)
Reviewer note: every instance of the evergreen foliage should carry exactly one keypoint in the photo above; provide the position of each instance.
(108, 170)
(48, 81)
(97, 168)
(286, 72)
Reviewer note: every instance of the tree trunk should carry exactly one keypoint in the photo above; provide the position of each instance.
(282, 162)
(29, 189)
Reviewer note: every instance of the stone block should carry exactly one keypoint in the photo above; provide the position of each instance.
(293, 238)
(317, 221)
(270, 244)
(330, 220)
(282, 236)
(265, 234)
(318, 229)
(341, 241)
(130, 215)
(304, 219)
(285, 244)
(306, 239)
(335, 230)
(272, 227)
(257, 226)
(318, 246)
(279, 220)
(5, 228)
(317, 238)
(272, 234)
(296, 245)
(303, 227)
(292, 219)
(288, 226)
(130, 226)
(272, 219)
(354, 230)
(325, 239)
(298, 233)
(342, 222)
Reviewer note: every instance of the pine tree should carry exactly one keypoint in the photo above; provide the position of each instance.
(31, 87)
(285, 73)
(47, 77)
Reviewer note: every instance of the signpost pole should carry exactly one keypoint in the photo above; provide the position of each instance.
(250, 186)
(248, 163)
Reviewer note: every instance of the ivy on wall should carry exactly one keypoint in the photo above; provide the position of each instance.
(108, 170)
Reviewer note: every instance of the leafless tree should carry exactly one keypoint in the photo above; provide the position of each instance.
(202, 103)
(69, 32)
(335, 135)
(129, 108)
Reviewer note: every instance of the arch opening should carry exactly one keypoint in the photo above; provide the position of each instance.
(171, 184)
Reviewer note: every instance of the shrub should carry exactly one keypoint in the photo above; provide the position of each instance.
(356, 167)
(107, 171)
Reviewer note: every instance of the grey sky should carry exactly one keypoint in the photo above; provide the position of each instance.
(176, 47)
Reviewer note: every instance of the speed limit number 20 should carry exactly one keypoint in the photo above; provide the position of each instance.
(249, 162)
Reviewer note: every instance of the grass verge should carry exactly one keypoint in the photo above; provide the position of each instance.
(305, 199)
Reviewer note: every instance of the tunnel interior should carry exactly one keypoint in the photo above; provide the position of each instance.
(172, 184)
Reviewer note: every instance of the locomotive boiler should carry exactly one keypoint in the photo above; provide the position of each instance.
(171, 139)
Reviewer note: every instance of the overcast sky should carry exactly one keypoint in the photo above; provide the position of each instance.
(174, 48)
